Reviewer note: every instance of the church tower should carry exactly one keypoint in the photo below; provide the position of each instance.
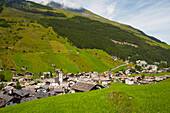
(61, 77)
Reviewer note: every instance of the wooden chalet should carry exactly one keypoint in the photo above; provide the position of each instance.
(84, 87)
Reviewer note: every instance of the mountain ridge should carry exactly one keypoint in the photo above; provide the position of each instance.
(82, 10)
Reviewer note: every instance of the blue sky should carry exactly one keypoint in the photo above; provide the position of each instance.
(150, 16)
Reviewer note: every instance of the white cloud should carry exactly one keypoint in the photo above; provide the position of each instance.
(151, 16)
(110, 11)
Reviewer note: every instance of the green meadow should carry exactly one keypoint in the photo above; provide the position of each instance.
(119, 98)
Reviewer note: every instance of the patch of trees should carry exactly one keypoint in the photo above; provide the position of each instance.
(47, 13)
(87, 33)
(18, 4)
(4, 23)
(2, 77)
(1, 8)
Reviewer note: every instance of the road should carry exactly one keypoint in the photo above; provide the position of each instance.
(118, 66)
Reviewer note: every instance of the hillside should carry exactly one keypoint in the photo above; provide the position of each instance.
(36, 36)
(25, 42)
(118, 98)
(126, 34)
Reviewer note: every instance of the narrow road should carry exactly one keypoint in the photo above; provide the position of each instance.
(118, 66)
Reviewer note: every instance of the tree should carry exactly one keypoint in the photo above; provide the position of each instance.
(51, 74)
(18, 86)
(138, 67)
(2, 77)
(132, 70)
(168, 70)
(1, 86)
(150, 68)
(143, 76)
(40, 74)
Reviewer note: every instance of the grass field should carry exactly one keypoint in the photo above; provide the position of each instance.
(151, 98)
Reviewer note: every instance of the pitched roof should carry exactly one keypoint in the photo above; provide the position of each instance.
(5, 99)
(83, 86)
(41, 95)
(22, 92)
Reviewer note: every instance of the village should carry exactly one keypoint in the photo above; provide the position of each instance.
(24, 88)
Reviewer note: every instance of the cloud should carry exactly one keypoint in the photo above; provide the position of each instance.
(68, 3)
(151, 16)
(110, 11)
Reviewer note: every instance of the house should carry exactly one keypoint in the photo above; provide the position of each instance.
(104, 81)
(164, 62)
(52, 93)
(141, 63)
(129, 81)
(20, 74)
(53, 64)
(28, 79)
(46, 75)
(28, 74)
(42, 88)
(167, 76)
(156, 63)
(41, 95)
(153, 67)
(6, 100)
(19, 94)
(14, 79)
(59, 90)
(2, 69)
(114, 57)
(28, 99)
(57, 70)
(143, 82)
(8, 90)
(70, 75)
(85, 86)
(24, 68)
(158, 78)
(127, 72)
(13, 70)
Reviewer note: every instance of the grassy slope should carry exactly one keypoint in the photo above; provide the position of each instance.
(146, 98)
(39, 47)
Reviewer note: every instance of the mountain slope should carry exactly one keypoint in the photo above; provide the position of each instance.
(24, 42)
(23, 33)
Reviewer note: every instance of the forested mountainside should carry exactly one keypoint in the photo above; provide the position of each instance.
(29, 28)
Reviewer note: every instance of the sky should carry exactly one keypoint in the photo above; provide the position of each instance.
(150, 16)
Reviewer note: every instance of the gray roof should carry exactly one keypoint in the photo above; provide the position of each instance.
(22, 92)
(83, 86)
(41, 95)
(28, 99)
(6, 99)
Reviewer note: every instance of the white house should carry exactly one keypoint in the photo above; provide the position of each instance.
(140, 63)
(127, 72)
(129, 82)
(154, 67)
